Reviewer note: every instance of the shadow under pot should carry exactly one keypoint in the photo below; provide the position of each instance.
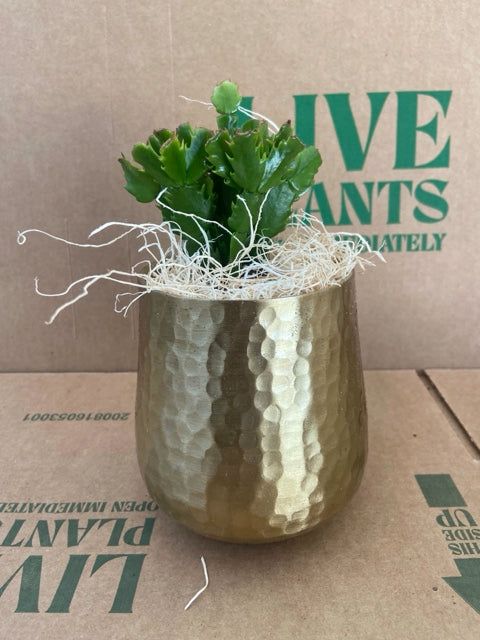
(250, 419)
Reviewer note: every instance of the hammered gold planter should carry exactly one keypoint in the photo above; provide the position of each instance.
(251, 422)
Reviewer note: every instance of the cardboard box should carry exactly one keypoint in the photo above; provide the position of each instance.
(460, 391)
(84, 553)
(388, 92)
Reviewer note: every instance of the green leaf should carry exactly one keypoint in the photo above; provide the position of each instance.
(228, 122)
(283, 133)
(240, 217)
(271, 210)
(154, 142)
(174, 164)
(195, 154)
(190, 204)
(276, 210)
(264, 134)
(279, 160)
(217, 149)
(139, 183)
(151, 162)
(226, 98)
(181, 159)
(245, 212)
(163, 135)
(238, 241)
(304, 168)
(261, 128)
(225, 196)
(247, 160)
(184, 133)
(250, 125)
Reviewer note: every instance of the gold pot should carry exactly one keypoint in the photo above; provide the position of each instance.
(250, 421)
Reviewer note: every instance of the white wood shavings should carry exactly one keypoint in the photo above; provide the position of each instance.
(200, 591)
(305, 259)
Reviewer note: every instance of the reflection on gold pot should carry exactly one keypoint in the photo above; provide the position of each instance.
(251, 422)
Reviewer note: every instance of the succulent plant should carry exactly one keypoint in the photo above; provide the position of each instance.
(220, 187)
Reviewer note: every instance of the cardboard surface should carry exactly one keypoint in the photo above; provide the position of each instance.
(461, 391)
(392, 104)
(374, 571)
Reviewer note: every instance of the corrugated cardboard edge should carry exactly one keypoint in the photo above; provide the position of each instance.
(459, 389)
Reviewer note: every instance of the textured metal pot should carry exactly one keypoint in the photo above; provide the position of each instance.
(251, 421)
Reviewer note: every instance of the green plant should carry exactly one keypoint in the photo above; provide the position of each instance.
(227, 188)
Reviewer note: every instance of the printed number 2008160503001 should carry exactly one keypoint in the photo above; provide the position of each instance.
(70, 417)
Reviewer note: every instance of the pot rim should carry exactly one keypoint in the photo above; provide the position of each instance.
(320, 291)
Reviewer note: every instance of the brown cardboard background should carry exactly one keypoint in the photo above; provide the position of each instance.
(369, 573)
(461, 391)
(81, 83)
